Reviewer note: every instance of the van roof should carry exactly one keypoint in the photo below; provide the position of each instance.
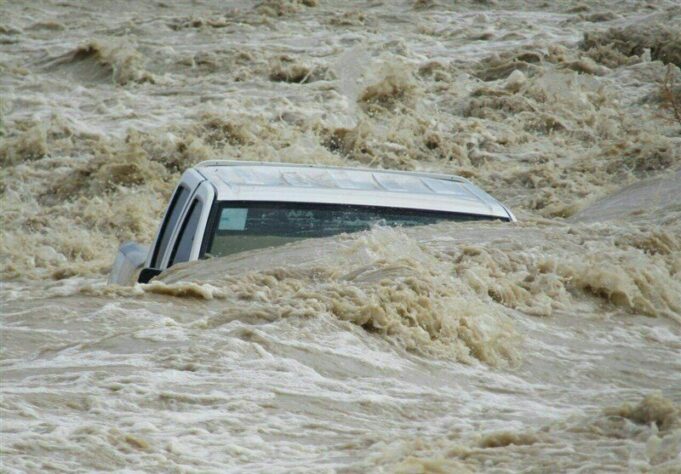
(257, 181)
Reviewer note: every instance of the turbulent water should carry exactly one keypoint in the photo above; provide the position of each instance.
(549, 345)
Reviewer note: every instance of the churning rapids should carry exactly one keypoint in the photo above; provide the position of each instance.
(552, 345)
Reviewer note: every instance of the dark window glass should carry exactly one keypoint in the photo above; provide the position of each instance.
(244, 226)
(186, 238)
(176, 206)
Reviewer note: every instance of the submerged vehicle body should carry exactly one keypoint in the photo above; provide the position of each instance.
(224, 207)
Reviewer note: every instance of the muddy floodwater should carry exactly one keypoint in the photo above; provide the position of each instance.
(548, 345)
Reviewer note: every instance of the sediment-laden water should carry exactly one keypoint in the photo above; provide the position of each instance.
(550, 345)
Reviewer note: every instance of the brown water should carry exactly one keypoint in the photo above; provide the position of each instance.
(550, 345)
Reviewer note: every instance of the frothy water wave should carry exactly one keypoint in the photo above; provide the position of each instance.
(548, 345)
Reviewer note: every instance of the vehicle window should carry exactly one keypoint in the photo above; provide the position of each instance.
(183, 247)
(174, 211)
(250, 225)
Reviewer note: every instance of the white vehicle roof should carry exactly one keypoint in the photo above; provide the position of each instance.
(256, 181)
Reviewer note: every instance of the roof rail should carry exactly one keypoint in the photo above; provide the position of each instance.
(449, 177)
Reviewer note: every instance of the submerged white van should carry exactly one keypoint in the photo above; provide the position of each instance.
(224, 207)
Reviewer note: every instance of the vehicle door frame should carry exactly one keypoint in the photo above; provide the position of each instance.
(190, 180)
(205, 193)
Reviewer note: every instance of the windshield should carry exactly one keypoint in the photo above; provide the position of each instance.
(241, 226)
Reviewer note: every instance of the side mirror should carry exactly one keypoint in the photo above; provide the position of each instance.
(147, 274)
